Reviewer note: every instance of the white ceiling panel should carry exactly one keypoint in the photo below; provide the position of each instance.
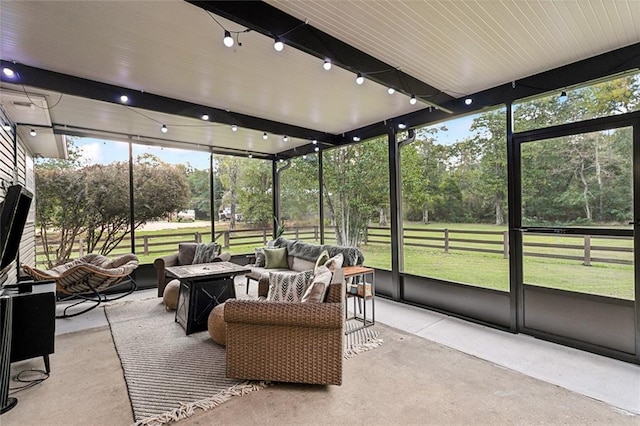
(174, 49)
(462, 47)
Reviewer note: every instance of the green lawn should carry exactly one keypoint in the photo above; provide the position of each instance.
(468, 267)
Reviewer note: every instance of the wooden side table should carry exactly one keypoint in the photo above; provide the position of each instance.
(362, 289)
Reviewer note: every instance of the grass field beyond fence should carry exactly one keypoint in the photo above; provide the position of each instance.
(473, 254)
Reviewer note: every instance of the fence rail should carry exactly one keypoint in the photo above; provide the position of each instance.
(444, 239)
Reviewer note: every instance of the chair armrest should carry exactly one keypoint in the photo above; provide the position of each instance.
(263, 285)
(160, 264)
(309, 315)
(165, 261)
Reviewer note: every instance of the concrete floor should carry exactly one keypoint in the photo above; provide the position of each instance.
(614, 382)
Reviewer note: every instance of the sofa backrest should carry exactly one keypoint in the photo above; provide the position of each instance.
(352, 255)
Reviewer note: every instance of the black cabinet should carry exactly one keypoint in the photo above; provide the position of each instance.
(33, 320)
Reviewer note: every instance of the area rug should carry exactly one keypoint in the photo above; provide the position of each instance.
(169, 374)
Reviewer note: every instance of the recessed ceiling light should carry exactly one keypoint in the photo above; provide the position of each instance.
(316, 149)
(327, 64)
(356, 139)
(8, 72)
(205, 117)
(315, 142)
(164, 129)
(124, 99)
(468, 101)
(391, 90)
(402, 126)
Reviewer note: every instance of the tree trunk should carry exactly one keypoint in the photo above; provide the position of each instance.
(382, 221)
(425, 215)
(499, 211)
(585, 192)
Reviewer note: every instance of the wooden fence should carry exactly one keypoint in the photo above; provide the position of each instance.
(447, 240)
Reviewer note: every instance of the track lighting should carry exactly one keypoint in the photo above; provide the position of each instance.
(468, 101)
(264, 136)
(413, 100)
(402, 126)
(278, 44)
(563, 96)
(33, 132)
(205, 117)
(228, 40)
(6, 127)
(327, 64)
(164, 129)
(391, 90)
(359, 78)
(356, 139)
(250, 155)
(285, 138)
(234, 128)
(8, 72)
(124, 99)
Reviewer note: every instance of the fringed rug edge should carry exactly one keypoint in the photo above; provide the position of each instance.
(187, 410)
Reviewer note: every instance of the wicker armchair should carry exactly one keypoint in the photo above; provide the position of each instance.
(287, 342)
(87, 277)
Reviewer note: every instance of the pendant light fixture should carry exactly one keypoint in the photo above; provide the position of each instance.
(278, 44)
(228, 40)
(359, 78)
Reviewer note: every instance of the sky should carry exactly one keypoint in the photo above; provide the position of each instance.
(97, 151)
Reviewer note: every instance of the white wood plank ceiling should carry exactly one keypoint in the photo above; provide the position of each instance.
(463, 47)
(174, 49)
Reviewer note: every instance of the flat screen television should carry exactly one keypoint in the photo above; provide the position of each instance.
(14, 210)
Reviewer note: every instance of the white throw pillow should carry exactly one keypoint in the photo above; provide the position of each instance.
(317, 291)
(288, 287)
(335, 262)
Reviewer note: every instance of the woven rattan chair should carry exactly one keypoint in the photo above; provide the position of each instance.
(87, 277)
(287, 342)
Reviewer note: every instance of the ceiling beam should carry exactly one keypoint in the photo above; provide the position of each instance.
(76, 86)
(272, 22)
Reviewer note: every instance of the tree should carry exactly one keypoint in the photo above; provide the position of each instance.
(355, 187)
(200, 200)
(299, 191)
(255, 197)
(92, 201)
(228, 169)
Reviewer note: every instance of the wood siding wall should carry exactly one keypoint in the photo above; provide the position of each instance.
(16, 167)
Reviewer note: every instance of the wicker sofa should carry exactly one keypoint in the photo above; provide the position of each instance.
(287, 341)
(302, 256)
